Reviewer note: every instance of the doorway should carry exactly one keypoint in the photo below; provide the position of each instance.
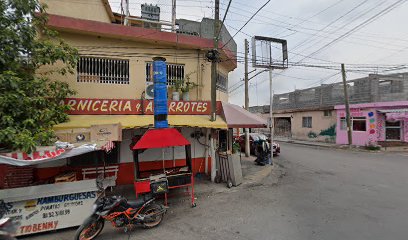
(283, 127)
(393, 131)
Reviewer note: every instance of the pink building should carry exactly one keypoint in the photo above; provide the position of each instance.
(374, 123)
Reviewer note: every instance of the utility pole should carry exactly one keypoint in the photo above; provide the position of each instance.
(214, 63)
(270, 112)
(247, 150)
(173, 16)
(346, 101)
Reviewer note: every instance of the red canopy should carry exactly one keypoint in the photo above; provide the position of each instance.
(161, 138)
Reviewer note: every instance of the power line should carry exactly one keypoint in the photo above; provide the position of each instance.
(223, 19)
(332, 22)
(371, 19)
(318, 13)
(246, 23)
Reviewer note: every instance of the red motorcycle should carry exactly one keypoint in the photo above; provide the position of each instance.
(121, 213)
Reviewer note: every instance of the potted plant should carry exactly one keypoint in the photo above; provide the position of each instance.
(176, 89)
(187, 86)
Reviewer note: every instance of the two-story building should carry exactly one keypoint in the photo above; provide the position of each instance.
(113, 84)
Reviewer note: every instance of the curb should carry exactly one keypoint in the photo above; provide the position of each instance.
(344, 147)
(258, 176)
(309, 144)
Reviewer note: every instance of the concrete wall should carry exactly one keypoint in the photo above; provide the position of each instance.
(374, 88)
(320, 126)
(205, 29)
(84, 9)
(137, 54)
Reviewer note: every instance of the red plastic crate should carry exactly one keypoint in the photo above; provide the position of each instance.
(142, 186)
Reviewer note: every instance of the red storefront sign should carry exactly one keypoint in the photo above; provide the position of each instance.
(88, 106)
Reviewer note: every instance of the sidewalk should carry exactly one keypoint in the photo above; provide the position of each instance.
(204, 188)
(333, 145)
(308, 143)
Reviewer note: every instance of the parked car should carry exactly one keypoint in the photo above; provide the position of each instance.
(253, 137)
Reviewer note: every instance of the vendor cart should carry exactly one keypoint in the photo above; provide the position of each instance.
(173, 177)
(62, 201)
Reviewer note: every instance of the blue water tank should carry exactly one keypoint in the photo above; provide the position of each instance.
(160, 92)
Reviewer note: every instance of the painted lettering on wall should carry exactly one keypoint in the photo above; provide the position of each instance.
(354, 112)
(85, 106)
(50, 213)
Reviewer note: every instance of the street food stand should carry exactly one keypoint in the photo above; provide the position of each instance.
(62, 201)
(176, 177)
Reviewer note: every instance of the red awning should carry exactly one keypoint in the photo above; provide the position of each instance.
(238, 117)
(161, 138)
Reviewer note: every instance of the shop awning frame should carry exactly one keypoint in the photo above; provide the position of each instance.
(400, 110)
(238, 117)
(141, 121)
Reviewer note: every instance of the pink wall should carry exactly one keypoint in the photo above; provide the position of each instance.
(405, 131)
(375, 122)
(381, 127)
(361, 138)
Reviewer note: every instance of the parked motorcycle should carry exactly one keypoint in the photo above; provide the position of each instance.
(122, 214)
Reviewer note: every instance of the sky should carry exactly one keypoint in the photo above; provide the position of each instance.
(362, 34)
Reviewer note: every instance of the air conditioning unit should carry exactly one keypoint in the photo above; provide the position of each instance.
(149, 93)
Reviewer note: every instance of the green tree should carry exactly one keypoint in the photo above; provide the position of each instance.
(30, 99)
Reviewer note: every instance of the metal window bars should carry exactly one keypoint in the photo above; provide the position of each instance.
(222, 82)
(175, 72)
(103, 70)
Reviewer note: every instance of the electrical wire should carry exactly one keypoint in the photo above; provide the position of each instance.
(223, 19)
(368, 21)
(246, 23)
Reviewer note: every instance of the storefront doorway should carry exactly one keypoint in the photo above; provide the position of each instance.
(393, 131)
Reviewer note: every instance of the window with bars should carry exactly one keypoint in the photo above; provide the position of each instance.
(175, 72)
(222, 82)
(307, 122)
(103, 70)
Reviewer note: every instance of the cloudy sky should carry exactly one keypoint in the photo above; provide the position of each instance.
(320, 33)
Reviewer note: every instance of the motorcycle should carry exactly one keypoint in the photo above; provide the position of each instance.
(121, 213)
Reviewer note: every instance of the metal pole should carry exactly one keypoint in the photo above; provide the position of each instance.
(127, 13)
(346, 101)
(270, 113)
(247, 150)
(214, 64)
(173, 16)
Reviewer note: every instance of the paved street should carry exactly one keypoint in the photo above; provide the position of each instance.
(326, 194)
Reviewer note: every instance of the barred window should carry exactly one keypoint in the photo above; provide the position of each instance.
(174, 72)
(103, 70)
(307, 122)
(222, 82)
